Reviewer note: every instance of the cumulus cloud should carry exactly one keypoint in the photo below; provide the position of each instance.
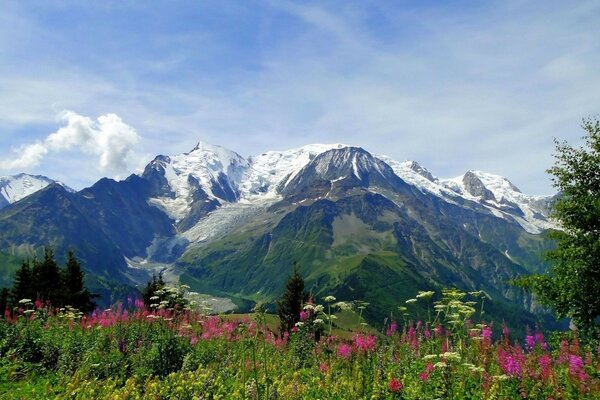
(108, 138)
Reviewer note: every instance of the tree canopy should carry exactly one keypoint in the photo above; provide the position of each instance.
(290, 304)
(44, 280)
(572, 286)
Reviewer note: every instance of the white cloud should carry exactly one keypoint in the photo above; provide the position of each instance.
(108, 138)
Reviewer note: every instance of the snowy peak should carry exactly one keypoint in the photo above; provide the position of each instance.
(345, 167)
(271, 171)
(207, 173)
(417, 168)
(16, 187)
(191, 185)
(500, 195)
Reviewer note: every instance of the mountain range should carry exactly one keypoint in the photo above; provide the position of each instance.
(361, 226)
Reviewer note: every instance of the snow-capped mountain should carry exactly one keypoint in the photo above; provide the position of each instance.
(503, 198)
(191, 185)
(16, 187)
(232, 225)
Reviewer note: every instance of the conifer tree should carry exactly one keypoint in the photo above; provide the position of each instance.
(153, 285)
(46, 278)
(290, 304)
(4, 300)
(23, 286)
(74, 292)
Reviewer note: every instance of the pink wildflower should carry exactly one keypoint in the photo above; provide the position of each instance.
(303, 315)
(395, 385)
(545, 362)
(365, 343)
(392, 329)
(323, 368)
(428, 370)
(576, 368)
(530, 342)
(486, 334)
(511, 361)
(344, 351)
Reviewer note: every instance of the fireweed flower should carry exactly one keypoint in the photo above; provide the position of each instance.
(530, 342)
(365, 343)
(576, 368)
(344, 351)
(303, 315)
(392, 329)
(486, 334)
(395, 385)
(511, 361)
(545, 362)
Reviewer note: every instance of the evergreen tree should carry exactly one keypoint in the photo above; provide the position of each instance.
(572, 286)
(4, 300)
(290, 304)
(74, 292)
(23, 286)
(153, 285)
(47, 279)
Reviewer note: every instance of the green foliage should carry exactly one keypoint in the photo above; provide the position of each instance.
(290, 304)
(45, 281)
(572, 287)
(153, 285)
(157, 295)
(127, 355)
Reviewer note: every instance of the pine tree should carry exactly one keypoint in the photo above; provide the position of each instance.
(290, 304)
(46, 278)
(4, 300)
(23, 286)
(74, 292)
(153, 285)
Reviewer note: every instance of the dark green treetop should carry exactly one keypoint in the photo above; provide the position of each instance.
(290, 303)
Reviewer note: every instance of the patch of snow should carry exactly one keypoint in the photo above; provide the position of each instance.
(16, 187)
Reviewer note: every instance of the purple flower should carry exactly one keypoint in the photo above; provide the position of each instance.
(530, 342)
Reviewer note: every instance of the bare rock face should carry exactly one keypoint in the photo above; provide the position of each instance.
(475, 187)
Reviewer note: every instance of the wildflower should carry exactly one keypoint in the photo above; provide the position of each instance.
(392, 329)
(425, 295)
(299, 324)
(530, 342)
(365, 343)
(576, 368)
(486, 334)
(303, 315)
(309, 307)
(395, 385)
(323, 368)
(428, 370)
(24, 301)
(319, 308)
(511, 361)
(430, 356)
(329, 299)
(342, 305)
(411, 301)
(344, 351)
(440, 364)
(545, 362)
(318, 321)
(450, 355)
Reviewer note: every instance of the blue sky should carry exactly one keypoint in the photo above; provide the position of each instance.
(454, 85)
